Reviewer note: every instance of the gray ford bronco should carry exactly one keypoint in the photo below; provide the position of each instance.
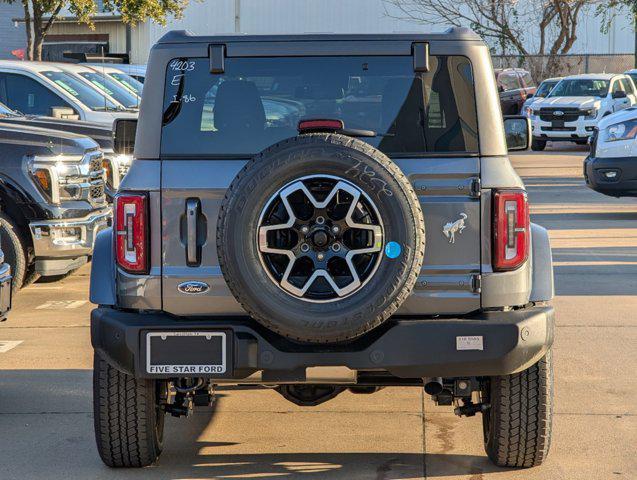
(318, 213)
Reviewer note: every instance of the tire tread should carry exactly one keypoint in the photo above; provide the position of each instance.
(521, 416)
(124, 417)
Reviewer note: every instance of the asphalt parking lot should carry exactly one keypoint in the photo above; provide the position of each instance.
(46, 424)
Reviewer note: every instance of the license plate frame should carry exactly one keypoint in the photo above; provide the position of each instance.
(558, 124)
(214, 358)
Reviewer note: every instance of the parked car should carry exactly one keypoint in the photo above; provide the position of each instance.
(611, 167)
(138, 72)
(39, 88)
(118, 74)
(292, 253)
(576, 104)
(52, 191)
(514, 85)
(117, 158)
(110, 87)
(632, 74)
(542, 91)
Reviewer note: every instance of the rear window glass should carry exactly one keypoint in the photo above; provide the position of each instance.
(259, 101)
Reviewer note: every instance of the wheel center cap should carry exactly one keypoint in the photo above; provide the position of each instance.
(320, 238)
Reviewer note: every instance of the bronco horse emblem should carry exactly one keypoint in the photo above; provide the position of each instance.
(451, 228)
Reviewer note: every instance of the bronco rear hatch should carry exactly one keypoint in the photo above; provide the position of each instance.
(223, 107)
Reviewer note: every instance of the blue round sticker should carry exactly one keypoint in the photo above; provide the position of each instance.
(392, 250)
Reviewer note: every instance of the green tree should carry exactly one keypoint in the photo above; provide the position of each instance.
(40, 15)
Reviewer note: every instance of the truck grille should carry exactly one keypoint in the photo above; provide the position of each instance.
(96, 179)
(568, 114)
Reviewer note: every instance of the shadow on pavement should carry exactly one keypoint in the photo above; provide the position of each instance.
(586, 271)
(47, 432)
(557, 220)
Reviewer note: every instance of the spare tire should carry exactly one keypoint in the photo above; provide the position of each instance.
(320, 238)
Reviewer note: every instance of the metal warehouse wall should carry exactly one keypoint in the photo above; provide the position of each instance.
(295, 16)
(11, 37)
(116, 32)
(342, 16)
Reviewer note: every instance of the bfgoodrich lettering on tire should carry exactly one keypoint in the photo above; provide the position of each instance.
(321, 238)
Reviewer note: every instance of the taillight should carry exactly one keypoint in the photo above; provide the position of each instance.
(511, 229)
(131, 228)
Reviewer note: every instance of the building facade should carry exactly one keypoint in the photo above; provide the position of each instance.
(12, 33)
(284, 16)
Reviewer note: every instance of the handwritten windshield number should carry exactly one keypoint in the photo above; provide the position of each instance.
(187, 98)
(182, 65)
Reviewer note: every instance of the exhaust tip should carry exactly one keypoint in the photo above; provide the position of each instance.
(433, 386)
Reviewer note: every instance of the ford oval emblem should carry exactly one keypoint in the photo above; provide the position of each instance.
(558, 113)
(193, 287)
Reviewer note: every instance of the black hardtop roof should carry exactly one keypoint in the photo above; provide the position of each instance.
(451, 34)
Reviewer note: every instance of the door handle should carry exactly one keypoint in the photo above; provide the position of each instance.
(193, 208)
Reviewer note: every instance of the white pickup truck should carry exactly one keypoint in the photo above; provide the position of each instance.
(571, 111)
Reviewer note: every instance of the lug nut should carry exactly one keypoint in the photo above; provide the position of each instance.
(305, 248)
(320, 256)
(336, 247)
(305, 229)
(320, 220)
(335, 229)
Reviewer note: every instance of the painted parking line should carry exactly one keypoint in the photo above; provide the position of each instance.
(61, 304)
(6, 345)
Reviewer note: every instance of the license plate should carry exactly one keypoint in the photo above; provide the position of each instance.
(186, 353)
(558, 124)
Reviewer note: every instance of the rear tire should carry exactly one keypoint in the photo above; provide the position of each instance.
(14, 251)
(538, 145)
(129, 424)
(517, 427)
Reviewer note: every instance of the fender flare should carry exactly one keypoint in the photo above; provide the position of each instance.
(542, 285)
(102, 289)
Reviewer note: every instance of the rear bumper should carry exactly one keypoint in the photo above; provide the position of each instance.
(406, 348)
(624, 183)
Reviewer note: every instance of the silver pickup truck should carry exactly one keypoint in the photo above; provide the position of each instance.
(317, 213)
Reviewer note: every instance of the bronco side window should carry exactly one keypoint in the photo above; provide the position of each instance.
(259, 101)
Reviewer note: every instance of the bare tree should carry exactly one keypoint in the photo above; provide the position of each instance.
(537, 27)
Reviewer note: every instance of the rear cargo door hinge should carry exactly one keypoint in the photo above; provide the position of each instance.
(420, 54)
(475, 188)
(217, 55)
(476, 283)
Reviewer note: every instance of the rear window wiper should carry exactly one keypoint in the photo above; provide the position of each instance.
(338, 126)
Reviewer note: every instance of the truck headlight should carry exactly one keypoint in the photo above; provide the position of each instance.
(591, 114)
(67, 177)
(620, 131)
(116, 167)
